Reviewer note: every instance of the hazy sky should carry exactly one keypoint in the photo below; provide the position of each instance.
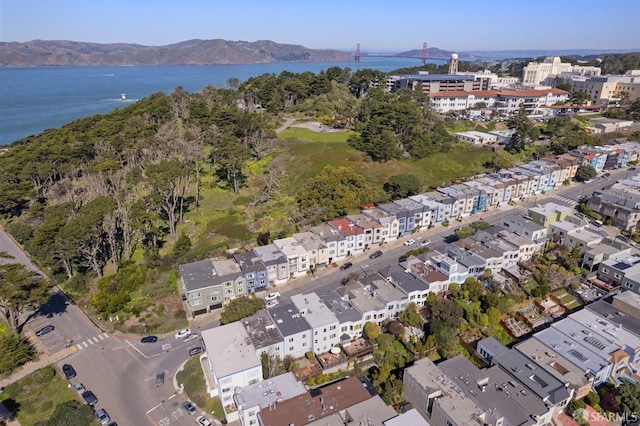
(376, 25)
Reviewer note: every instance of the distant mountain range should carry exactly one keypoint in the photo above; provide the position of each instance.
(191, 52)
(209, 52)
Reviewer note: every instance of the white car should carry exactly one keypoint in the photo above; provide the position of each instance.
(425, 243)
(182, 333)
(272, 296)
(202, 420)
(272, 303)
(410, 242)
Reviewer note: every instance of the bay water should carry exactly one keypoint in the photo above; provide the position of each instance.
(33, 99)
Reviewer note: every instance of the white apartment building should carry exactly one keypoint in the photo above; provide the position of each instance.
(476, 138)
(460, 101)
(324, 324)
(536, 72)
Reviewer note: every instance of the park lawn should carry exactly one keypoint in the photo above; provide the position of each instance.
(33, 398)
(192, 378)
(300, 133)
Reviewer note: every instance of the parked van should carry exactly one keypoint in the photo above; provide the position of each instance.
(597, 223)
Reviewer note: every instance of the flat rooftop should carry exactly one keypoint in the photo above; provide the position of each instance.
(268, 392)
(615, 315)
(342, 309)
(288, 319)
(197, 275)
(262, 330)
(578, 355)
(553, 362)
(229, 349)
(583, 335)
(372, 411)
(315, 312)
(502, 395)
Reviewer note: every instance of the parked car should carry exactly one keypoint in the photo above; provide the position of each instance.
(102, 416)
(45, 330)
(606, 174)
(89, 397)
(272, 303)
(160, 378)
(425, 243)
(375, 254)
(410, 242)
(149, 339)
(79, 387)
(189, 407)
(403, 258)
(195, 350)
(632, 169)
(346, 266)
(182, 333)
(202, 420)
(272, 296)
(69, 371)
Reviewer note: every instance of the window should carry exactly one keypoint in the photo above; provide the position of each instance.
(195, 302)
(290, 348)
(194, 295)
(291, 340)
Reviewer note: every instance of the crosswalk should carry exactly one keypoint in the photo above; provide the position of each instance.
(91, 341)
(525, 206)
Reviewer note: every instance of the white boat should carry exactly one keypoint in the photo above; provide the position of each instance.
(123, 96)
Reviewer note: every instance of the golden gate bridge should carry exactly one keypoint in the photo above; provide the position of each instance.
(358, 54)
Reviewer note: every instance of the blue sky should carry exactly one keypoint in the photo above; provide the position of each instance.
(376, 25)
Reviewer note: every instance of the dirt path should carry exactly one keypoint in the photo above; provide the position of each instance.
(288, 122)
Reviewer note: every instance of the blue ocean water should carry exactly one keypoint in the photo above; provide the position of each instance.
(39, 98)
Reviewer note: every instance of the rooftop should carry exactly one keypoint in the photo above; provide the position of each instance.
(197, 275)
(553, 362)
(267, 393)
(270, 254)
(575, 353)
(360, 297)
(288, 319)
(313, 309)
(616, 316)
(403, 280)
(372, 411)
(502, 396)
(411, 417)
(229, 349)
(261, 330)
(317, 403)
(342, 309)
(584, 335)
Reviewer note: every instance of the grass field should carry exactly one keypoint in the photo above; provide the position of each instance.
(33, 398)
(191, 376)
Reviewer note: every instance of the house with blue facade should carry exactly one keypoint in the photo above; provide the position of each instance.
(254, 270)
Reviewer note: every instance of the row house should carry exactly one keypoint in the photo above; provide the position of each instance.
(296, 332)
(590, 362)
(254, 270)
(436, 281)
(227, 272)
(574, 233)
(275, 261)
(510, 252)
(415, 289)
(364, 301)
(547, 168)
(451, 206)
(406, 219)
(297, 256)
(485, 195)
(598, 253)
(316, 248)
(631, 148)
(527, 373)
(525, 227)
(492, 259)
(561, 368)
(393, 299)
(617, 269)
(421, 216)
(548, 213)
(590, 156)
(389, 224)
(264, 335)
(527, 248)
(607, 348)
(437, 211)
(349, 317)
(496, 193)
(333, 239)
(526, 182)
(504, 182)
(324, 324)
(465, 203)
(447, 265)
(620, 204)
(371, 229)
(353, 235)
(568, 165)
(473, 264)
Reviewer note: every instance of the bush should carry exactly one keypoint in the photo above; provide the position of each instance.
(240, 308)
(309, 355)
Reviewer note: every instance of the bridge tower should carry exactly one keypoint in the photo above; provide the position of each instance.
(356, 57)
(424, 54)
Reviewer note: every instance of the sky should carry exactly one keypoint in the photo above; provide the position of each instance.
(456, 25)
